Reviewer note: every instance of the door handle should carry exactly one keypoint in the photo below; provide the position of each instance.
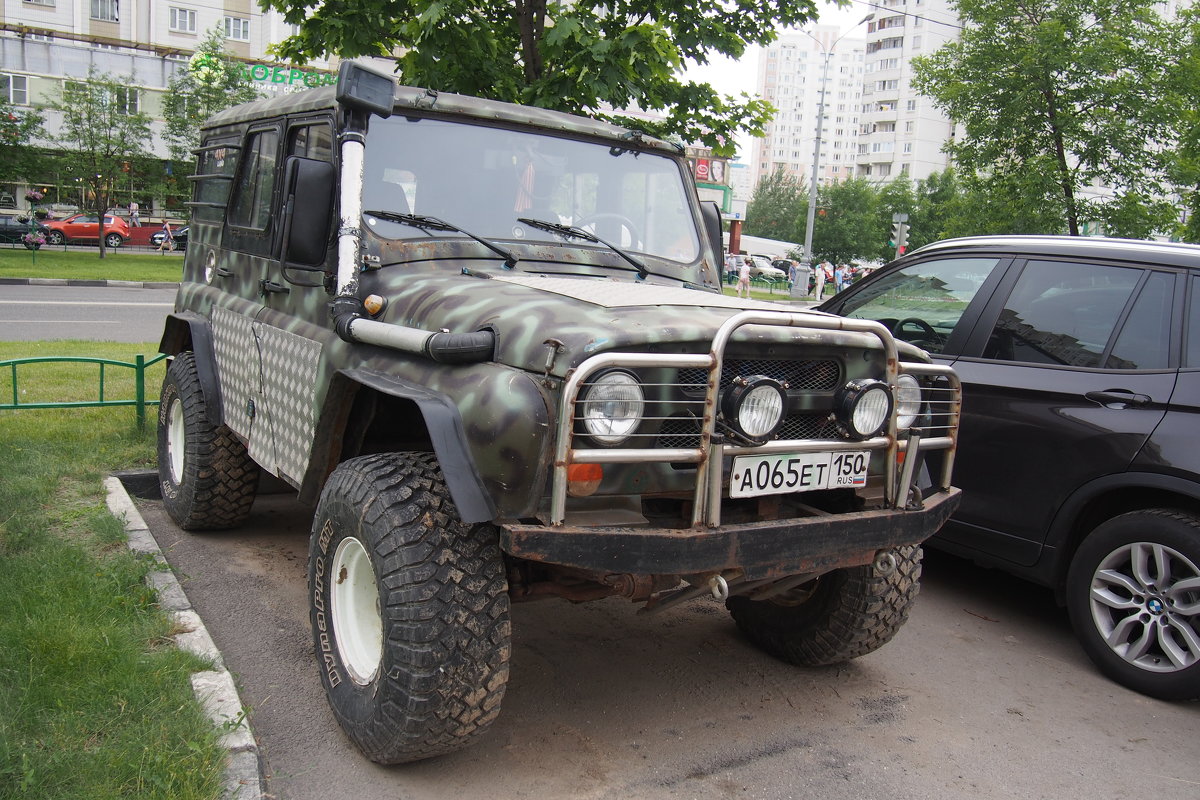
(1118, 398)
(224, 272)
(267, 286)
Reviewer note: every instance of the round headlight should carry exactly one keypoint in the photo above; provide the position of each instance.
(863, 407)
(611, 407)
(755, 407)
(908, 401)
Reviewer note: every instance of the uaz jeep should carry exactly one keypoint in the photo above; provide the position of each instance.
(489, 342)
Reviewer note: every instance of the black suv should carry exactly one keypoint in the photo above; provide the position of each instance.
(1079, 452)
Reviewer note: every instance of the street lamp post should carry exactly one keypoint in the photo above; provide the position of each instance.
(810, 217)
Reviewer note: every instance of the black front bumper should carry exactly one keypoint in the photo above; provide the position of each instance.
(760, 549)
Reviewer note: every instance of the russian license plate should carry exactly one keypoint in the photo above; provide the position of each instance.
(783, 473)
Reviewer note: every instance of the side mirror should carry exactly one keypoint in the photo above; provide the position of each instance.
(711, 212)
(309, 188)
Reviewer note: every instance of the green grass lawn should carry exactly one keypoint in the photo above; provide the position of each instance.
(94, 700)
(116, 265)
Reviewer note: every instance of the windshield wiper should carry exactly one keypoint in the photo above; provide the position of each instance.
(435, 224)
(571, 232)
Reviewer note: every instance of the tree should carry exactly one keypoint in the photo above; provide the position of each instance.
(211, 82)
(846, 226)
(102, 136)
(1054, 96)
(778, 204)
(1186, 165)
(578, 57)
(18, 131)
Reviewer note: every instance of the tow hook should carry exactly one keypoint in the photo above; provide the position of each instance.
(885, 562)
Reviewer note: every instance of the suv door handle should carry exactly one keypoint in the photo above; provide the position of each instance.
(1118, 398)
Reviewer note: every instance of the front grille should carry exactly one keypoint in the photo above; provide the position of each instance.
(814, 375)
(684, 431)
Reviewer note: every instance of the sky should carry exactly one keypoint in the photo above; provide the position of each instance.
(734, 77)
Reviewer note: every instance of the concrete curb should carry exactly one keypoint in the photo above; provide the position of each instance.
(213, 688)
(83, 282)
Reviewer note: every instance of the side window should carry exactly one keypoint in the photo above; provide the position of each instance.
(215, 167)
(1061, 313)
(1192, 356)
(923, 303)
(255, 186)
(1145, 339)
(311, 141)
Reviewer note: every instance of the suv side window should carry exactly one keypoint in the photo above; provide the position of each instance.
(1145, 338)
(1062, 313)
(1191, 357)
(923, 303)
(255, 188)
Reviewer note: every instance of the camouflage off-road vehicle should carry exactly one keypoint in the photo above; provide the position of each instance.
(489, 343)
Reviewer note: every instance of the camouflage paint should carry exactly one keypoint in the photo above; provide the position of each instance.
(584, 298)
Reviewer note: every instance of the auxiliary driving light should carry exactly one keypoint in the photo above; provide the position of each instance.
(863, 407)
(754, 407)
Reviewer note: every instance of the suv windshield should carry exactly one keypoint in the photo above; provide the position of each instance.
(484, 179)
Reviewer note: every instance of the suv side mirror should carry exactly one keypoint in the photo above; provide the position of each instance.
(711, 212)
(309, 186)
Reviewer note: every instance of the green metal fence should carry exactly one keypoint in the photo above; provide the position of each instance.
(138, 365)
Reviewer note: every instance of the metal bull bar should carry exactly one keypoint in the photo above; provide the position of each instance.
(710, 453)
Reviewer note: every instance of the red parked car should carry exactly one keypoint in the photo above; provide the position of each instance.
(86, 227)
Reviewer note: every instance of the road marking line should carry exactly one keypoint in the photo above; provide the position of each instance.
(81, 303)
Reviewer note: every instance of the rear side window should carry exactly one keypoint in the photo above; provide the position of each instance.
(1192, 356)
(1062, 313)
(215, 167)
(922, 303)
(1145, 339)
(255, 187)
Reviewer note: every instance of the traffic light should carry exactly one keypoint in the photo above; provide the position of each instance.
(899, 236)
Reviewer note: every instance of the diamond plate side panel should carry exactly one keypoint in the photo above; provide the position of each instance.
(290, 388)
(237, 367)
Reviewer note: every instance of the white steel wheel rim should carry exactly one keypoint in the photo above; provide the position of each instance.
(176, 440)
(1145, 603)
(354, 605)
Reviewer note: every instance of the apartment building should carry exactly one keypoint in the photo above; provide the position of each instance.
(874, 125)
(44, 43)
(900, 131)
(792, 74)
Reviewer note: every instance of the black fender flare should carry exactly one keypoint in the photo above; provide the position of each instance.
(446, 432)
(1059, 539)
(187, 330)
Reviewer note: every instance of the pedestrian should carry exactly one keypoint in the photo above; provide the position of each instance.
(168, 239)
(839, 277)
(744, 277)
(135, 218)
(732, 264)
(824, 270)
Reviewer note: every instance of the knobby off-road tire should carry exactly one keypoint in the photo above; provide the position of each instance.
(208, 481)
(842, 615)
(1133, 593)
(410, 610)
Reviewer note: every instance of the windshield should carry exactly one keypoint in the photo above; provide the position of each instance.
(484, 179)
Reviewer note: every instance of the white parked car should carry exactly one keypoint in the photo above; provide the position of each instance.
(761, 268)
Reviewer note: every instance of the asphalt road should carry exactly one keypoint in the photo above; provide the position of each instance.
(984, 694)
(116, 314)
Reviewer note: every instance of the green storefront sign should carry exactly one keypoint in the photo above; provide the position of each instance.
(289, 76)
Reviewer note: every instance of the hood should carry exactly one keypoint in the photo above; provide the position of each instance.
(584, 316)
